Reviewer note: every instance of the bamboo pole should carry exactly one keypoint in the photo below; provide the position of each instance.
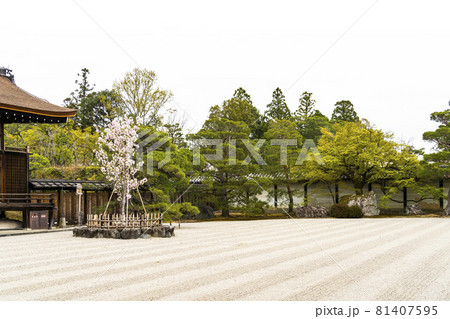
(143, 206)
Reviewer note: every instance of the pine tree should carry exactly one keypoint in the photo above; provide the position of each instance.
(440, 160)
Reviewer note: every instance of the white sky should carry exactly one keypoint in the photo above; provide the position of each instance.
(393, 63)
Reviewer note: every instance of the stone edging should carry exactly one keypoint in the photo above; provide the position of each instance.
(126, 233)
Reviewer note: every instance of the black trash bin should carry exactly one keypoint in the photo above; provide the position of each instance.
(39, 219)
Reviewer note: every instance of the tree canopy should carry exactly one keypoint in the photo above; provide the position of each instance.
(281, 154)
(277, 109)
(439, 161)
(141, 97)
(306, 107)
(363, 154)
(238, 109)
(220, 142)
(344, 112)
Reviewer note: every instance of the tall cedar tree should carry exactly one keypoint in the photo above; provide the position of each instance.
(344, 112)
(81, 92)
(306, 107)
(238, 108)
(94, 108)
(277, 109)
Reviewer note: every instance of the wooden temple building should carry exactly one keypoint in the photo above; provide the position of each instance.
(19, 106)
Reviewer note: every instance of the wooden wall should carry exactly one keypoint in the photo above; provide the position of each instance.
(67, 204)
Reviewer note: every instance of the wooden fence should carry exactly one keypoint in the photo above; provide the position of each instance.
(115, 221)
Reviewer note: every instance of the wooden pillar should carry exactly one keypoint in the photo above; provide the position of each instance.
(60, 214)
(73, 205)
(2, 159)
(85, 205)
(50, 218)
(85, 201)
(63, 205)
(441, 200)
(275, 195)
(24, 219)
(2, 136)
(28, 169)
(97, 201)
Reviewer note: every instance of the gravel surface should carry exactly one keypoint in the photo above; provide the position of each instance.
(302, 259)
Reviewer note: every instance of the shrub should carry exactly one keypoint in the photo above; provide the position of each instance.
(89, 173)
(253, 208)
(173, 211)
(51, 173)
(345, 211)
(187, 209)
(206, 212)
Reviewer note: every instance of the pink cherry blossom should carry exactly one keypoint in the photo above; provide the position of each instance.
(117, 147)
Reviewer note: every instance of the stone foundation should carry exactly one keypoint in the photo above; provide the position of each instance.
(126, 233)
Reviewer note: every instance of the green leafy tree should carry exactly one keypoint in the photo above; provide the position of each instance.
(42, 140)
(141, 97)
(362, 154)
(66, 147)
(403, 170)
(439, 161)
(94, 108)
(344, 112)
(14, 134)
(37, 164)
(97, 109)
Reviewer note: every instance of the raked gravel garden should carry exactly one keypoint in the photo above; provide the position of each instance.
(301, 259)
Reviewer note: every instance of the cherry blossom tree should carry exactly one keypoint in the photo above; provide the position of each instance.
(116, 151)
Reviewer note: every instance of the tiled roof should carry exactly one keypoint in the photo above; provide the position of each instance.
(55, 184)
